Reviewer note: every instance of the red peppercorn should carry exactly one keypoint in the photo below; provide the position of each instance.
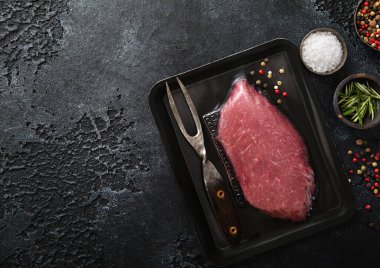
(366, 4)
(377, 195)
(377, 158)
(367, 207)
(367, 180)
(285, 94)
(377, 176)
(277, 91)
(261, 71)
(376, 184)
(351, 171)
(364, 160)
(357, 154)
(364, 11)
(355, 160)
(376, 170)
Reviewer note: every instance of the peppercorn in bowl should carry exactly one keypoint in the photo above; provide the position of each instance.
(367, 23)
(357, 101)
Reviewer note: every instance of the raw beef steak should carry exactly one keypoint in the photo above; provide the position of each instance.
(267, 153)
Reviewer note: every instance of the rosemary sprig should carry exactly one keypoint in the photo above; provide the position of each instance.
(359, 101)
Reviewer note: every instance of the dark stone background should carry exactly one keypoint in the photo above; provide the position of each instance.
(84, 180)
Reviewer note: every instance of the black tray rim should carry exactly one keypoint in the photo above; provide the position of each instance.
(347, 210)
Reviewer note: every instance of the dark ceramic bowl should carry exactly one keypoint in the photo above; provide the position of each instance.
(342, 42)
(374, 83)
(356, 27)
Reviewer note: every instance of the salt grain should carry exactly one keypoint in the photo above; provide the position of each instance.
(322, 52)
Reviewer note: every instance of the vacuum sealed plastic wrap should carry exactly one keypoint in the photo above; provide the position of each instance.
(268, 155)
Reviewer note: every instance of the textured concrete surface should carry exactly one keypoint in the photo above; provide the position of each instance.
(83, 177)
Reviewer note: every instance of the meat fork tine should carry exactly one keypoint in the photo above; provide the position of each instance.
(191, 105)
(196, 140)
(177, 117)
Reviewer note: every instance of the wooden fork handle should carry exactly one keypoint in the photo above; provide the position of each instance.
(222, 203)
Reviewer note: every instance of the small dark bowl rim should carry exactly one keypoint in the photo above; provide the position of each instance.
(341, 40)
(356, 27)
(368, 123)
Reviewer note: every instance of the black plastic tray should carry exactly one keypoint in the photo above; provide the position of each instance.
(208, 86)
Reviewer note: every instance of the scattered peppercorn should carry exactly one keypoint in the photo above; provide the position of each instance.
(355, 160)
(374, 164)
(359, 142)
(270, 74)
(349, 152)
(367, 206)
(359, 172)
(371, 225)
(340, 116)
(368, 150)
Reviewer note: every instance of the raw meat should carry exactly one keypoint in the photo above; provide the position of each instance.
(267, 154)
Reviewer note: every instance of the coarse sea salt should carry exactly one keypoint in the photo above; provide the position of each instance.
(322, 52)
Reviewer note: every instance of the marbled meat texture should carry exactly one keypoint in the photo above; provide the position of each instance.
(267, 153)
